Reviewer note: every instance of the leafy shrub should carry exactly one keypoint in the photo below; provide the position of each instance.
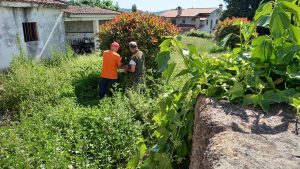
(146, 29)
(67, 135)
(230, 26)
(32, 81)
(199, 34)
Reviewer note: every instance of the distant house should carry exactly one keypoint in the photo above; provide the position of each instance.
(203, 19)
(43, 26)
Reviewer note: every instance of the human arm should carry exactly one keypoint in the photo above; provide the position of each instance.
(119, 62)
(132, 66)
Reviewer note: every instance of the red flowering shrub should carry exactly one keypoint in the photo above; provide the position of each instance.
(230, 25)
(146, 29)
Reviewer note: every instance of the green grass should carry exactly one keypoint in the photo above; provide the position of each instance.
(58, 122)
(203, 45)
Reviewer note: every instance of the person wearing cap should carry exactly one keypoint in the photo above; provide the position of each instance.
(136, 64)
(111, 64)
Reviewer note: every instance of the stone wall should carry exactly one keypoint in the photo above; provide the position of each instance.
(230, 136)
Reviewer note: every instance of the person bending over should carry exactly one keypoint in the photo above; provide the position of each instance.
(111, 64)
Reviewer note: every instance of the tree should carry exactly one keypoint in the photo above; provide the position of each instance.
(134, 8)
(241, 8)
(106, 4)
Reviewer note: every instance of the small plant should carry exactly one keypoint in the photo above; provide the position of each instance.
(218, 49)
(146, 29)
(199, 34)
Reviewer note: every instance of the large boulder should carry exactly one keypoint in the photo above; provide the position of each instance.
(230, 136)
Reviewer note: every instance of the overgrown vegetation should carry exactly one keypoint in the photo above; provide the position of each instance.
(199, 34)
(59, 122)
(261, 72)
(146, 29)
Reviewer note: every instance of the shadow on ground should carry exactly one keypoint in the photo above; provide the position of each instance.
(86, 90)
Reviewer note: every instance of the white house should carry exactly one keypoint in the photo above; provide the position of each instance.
(203, 19)
(43, 26)
(38, 24)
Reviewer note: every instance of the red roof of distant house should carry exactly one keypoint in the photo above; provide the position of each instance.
(58, 3)
(190, 12)
(78, 10)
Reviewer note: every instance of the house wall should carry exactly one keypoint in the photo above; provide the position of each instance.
(78, 30)
(213, 18)
(50, 28)
(188, 20)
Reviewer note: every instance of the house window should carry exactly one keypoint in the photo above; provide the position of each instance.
(183, 21)
(211, 22)
(30, 31)
(217, 21)
(174, 21)
(206, 22)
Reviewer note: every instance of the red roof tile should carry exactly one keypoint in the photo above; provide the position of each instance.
(190, 12)
(78, 10)
(58, 3)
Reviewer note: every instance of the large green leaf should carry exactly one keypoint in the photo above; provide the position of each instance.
(295, 32)
(293, 72)
(286, 53)
(263, 10)
(263, 49)
(236, 91)
(225, 40)
(162, 60)
(165, 45)
(169, 71)
(293, 8)
(279, 22)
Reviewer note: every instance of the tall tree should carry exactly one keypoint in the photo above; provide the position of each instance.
(134, 8)
(241, 8)
(106, 4)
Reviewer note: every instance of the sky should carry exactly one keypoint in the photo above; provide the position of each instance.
(159, 5)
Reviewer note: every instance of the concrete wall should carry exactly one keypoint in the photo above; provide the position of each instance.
(212, 19)
(188, 20)
(50, 28)
(79, 29)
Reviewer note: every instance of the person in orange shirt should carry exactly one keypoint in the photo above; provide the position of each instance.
(111, 64)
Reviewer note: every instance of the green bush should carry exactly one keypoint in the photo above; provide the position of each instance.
(230, 26)
(218, 49)
(146, 29)
(199, 34)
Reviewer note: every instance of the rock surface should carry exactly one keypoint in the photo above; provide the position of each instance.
(229, 136)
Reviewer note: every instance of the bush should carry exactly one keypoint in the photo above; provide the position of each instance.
(228, 26)
(218, 49)
(146, 29)
(199, 34)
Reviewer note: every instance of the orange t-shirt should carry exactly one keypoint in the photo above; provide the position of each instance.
(111, 63)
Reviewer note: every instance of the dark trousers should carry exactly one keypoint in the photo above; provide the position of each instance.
(105, 85)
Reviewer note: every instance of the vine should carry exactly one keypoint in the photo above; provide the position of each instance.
(263, 71)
